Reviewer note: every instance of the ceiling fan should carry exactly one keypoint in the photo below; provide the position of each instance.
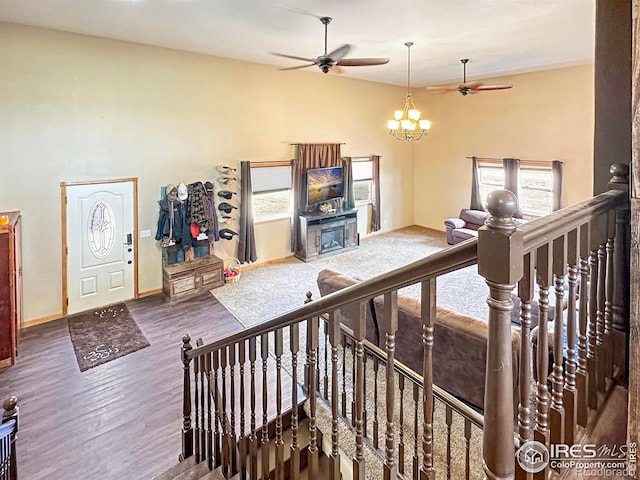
(467, 88)
(333, 60)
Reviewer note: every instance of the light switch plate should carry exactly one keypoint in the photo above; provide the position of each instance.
(145, 233)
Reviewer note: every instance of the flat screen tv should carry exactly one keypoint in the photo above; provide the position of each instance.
(324, 184)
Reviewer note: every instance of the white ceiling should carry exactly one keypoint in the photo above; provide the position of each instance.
(499, 36)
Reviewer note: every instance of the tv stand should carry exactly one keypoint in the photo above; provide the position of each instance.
(322, 235)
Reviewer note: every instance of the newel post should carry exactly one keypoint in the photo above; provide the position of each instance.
(500, 262)
(621, 262)
(187, 428)
(10, 407)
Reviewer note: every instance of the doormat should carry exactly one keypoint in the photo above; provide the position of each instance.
(103, 335)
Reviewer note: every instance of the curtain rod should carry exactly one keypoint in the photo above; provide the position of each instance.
(521, 159)
(326, 143)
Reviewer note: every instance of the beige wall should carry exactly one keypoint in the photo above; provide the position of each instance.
(78, 108)
(545, 116)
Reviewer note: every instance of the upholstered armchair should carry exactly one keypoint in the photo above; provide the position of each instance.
(465, 226)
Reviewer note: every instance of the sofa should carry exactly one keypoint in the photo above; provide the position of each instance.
(459, 347)
(465, 226)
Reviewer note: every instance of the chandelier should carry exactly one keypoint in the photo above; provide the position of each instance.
(407, 124)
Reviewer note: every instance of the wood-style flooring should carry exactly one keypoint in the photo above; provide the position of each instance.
(119, 420)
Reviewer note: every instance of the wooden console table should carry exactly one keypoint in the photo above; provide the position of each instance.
(327, 234)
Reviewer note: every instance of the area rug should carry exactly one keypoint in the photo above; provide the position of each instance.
(103, 335)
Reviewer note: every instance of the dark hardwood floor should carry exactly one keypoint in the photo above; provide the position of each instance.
(119, 420)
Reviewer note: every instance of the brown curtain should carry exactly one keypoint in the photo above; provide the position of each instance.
(512, 179)
(308, 155)
(375, 193)
(556, 173)
(347, 177)
(476, 198)
(246, 236)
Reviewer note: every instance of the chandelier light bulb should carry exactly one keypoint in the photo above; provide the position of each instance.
(414, 114)
(393, 124)
(398, 114)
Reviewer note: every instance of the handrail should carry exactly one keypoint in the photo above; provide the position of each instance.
(541, 230)
(444, 261)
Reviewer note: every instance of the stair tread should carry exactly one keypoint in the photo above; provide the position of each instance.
(178, 469)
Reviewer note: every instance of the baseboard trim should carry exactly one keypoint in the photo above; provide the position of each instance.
(37, 321)
(148, 293)
(266, 262)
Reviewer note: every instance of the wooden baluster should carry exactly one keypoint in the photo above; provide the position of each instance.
(209, 433)
(264, 440)
(428, 314)
(242, 441)
(203, 400)
(11, 412)
(294, 346)
(620, 301)
(570, 393)
(467, 449)
(449, 422)
(353, 383)
(544, 261)
(217, 417)
(500, 261)
(390, 322)
(233, 443)
(279, 350)
(556, 416)
(333, 329)
(364, 395)
(593, 326)
(608, 296)
(306, 365)
(253, 439)
(581, 374)
(359, 331)
(600, 344)
(187, 429)
(525, 292)
(196, 436)
(312, 340)
(416, 432)
(401, 421)
(343, 412)
(224, 419)
(376, 426)
(326, 362)
(241, 464)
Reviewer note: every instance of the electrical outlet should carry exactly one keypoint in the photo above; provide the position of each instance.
(145, 233)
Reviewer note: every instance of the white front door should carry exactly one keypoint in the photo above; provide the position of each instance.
(100, 244)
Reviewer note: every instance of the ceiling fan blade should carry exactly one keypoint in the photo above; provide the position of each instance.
(339, 52)
(492, 87)
(299, 66)
(442, 89)
(336, 70)
(293, 57)
(361, 62)
(470, 85)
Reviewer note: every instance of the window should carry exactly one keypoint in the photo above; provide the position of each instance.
(362, 179)
(536, 192)
(271, 183)
(536, 186)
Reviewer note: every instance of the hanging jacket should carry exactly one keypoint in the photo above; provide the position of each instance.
(178, 230)
(199, 206)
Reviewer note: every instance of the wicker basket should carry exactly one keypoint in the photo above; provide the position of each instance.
(233, 264)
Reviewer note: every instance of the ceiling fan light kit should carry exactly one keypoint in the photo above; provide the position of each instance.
(467, 88)
(407, 123)
(334, 60)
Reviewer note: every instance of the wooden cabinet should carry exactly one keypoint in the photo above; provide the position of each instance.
(10, 287)
(186, 279)
(328, 234)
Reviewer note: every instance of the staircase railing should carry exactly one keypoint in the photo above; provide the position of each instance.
(586, 248)
(8, 431)
(236, 434)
